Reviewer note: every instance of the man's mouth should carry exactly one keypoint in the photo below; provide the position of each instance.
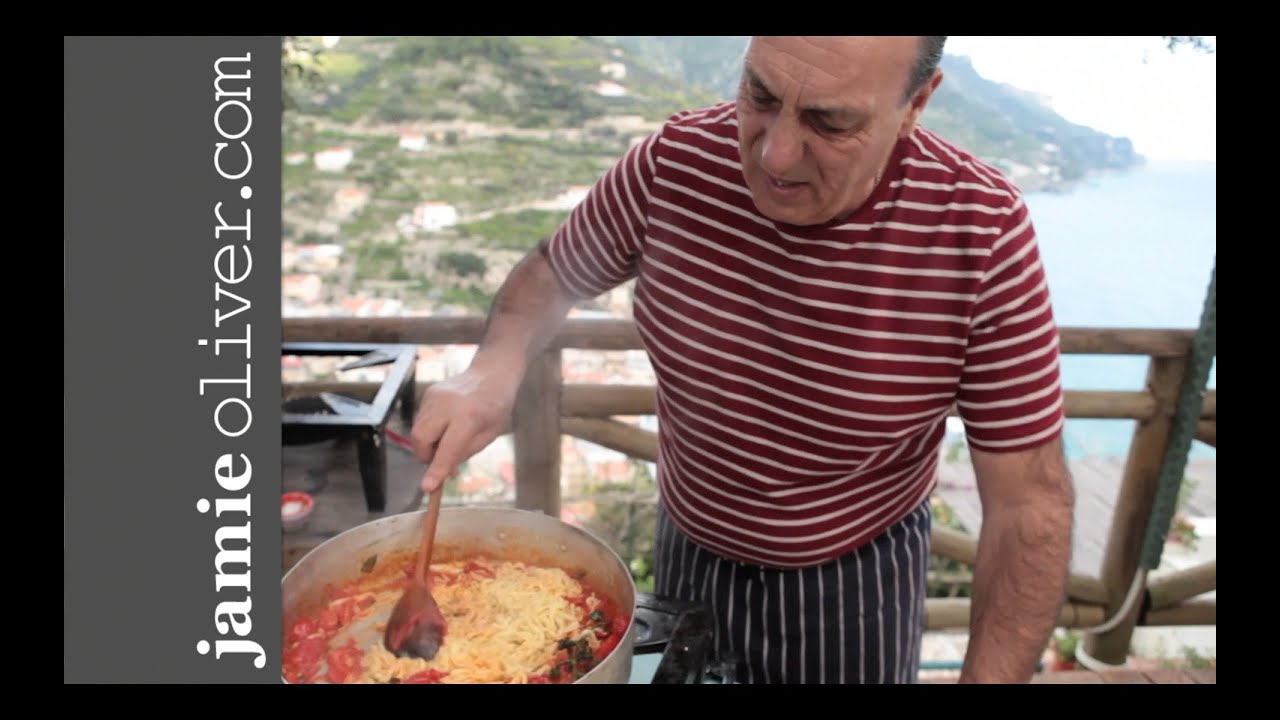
(783, 184)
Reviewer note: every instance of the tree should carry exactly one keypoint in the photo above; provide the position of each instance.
(300, 67)
(462, 263)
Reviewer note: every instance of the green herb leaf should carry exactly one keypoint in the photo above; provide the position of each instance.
(369, 563)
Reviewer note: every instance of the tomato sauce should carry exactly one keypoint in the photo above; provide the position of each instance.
(575, 659)
(309, 641)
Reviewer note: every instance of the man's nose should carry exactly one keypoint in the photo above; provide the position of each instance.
(783, 146)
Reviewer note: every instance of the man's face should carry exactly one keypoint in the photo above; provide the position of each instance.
(818, 118)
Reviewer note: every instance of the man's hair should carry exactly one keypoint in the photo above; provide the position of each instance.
(926, 62)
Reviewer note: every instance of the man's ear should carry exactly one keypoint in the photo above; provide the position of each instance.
(918, 102)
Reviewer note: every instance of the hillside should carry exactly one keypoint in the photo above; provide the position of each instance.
(529, 82)
(1016, 130)
(435, 162)
(427, 165)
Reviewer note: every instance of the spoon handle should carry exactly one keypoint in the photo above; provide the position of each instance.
(429, 532)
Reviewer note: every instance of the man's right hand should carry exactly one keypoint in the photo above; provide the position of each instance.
(458, 417)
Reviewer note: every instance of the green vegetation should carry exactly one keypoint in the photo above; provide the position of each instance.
(467, 296)
(461, 264)
(626, 519)
(947, 578)
(710, 63)
(378, 261)
(340, 67)
(1194, 660)
(1065, 642)
(514, 231)
(513, 122)
(1180, 528)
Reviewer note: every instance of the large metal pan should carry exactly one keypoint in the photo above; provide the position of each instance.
(502, 533)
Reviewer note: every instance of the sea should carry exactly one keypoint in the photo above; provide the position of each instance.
(1137, 250)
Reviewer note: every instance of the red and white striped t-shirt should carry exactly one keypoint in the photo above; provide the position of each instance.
(805, 374)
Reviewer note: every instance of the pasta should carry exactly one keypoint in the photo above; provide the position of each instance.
(505, 622)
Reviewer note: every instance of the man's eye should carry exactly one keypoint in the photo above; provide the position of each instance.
(761, 100)
(827, 128)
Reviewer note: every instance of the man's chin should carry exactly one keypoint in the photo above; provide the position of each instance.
(798, 216)
(799, 209)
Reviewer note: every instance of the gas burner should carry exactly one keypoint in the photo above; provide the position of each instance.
(681, 631)
(328, 416)
(306, 405)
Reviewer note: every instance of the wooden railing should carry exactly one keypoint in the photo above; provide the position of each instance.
(547, 408)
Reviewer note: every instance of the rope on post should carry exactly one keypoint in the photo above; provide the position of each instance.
(1204, 348)
(1190, 403)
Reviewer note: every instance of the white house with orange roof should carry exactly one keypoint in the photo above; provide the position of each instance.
(304, 287)
(319, 258)
(349, 200)
(334, 159)
(434, 215)
(413, 141)
(608, 88)
(615, 70)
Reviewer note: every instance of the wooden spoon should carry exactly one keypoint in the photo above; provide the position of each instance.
(416, 627)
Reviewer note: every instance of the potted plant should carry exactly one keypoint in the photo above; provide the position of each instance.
(1064, 651)
(1183, 532)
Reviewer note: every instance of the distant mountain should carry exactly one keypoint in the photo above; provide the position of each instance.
(1017, 130)
(1009, 127)
(709, 62)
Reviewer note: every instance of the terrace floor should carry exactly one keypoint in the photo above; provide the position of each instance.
(329, 471)
(1097, 482)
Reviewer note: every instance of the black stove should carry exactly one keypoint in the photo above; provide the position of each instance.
(683, 632)
(310, 419)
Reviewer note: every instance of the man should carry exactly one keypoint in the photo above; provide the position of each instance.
(820, 280)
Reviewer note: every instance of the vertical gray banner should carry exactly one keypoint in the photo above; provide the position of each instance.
(171, 414)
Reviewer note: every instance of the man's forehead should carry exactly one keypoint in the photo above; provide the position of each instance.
(838, 58)
(838, 47)
(833, 67)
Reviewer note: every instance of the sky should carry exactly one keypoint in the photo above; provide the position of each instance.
(1126, 86)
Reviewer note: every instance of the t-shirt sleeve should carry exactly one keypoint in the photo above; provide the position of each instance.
(1011, 394)
(598, 246)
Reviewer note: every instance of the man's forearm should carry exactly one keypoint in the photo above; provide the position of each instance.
(1019, 584)
(526, 314)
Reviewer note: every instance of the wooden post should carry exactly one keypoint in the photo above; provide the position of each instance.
(1133, 508)
(1182, 585)
(953, 613)
(963, 548)
(1196, 611)
(631, 441)
(1207, 432)
(536, 435)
